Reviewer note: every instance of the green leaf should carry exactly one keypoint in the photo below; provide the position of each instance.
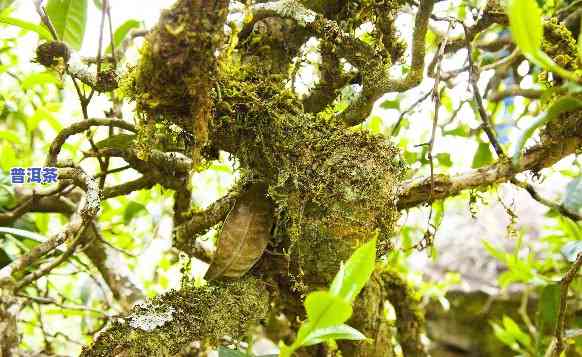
(355, 273)
(28, 26)
(117, 141)
(494, 252)
(39, 79)
(483, 156)
(390, 104)
(4, 258)
(227, 352)
(444, 159)
(504, 336)
(132, 209)
(516, 331)
(10, 136)
(525, 22)
(22, 233)
(4, 4)
(548, 304)
(338, 332)
(121, 33)
(69, 18)
(560, 106)
(573, 199)
(325, 310)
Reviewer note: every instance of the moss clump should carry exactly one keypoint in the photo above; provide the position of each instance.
(175, 75)
(173, 320)
(336, 185)
(52, 53)
(560, 45)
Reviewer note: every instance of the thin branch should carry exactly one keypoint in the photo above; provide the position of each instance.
(49, 301)
(123, 189)
(88, 209)
(185, 234)
(560, 208)
(561, 321)
(44, 270)
(515, 91)
(79, 127)
(486, 121)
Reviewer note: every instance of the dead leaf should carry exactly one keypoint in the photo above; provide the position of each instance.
(245, 234)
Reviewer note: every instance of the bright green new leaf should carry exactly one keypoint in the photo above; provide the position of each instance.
(132, 209)
(10, 136)
(324, 309)
(69, 18)
(483, 156)
(516, 331)
(355, 273)
(22, 233)
(558, 107)
(525, 22)
(338, 332)
(29, 26)
(122, 32)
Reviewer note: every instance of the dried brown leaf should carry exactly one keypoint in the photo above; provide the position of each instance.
(244, 236)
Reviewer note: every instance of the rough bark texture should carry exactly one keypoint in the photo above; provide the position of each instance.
(165, 325)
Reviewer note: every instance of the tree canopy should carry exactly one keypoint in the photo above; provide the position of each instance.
(290, 177)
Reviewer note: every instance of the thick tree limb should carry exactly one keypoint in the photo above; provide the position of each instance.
(172, 321)
(409, 315)
(369, 61)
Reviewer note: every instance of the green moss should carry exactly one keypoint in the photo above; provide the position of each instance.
(177, 65)
(173, 320)
(337, 185)
(560, 45)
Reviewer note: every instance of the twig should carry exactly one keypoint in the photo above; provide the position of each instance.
(49, 301)
(560, 208)
(561, 321)
(79, 127)
(486, 124)
(36, 274)
(396, 127)
(86, 212)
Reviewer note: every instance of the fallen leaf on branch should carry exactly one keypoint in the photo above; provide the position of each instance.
(244, 236)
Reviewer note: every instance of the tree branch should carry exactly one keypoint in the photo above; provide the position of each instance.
(417, 191)
(88, 209)
(173, 320)
(79, 127)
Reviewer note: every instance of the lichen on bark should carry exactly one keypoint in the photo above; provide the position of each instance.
(171, 321)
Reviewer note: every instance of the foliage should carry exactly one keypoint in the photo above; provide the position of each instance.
(328, 310)
(324, 187)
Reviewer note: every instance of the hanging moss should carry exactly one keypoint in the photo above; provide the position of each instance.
(173, 320)
(175, 75)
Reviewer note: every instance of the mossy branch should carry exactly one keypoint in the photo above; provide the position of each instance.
(170, 322)
(417, 191)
